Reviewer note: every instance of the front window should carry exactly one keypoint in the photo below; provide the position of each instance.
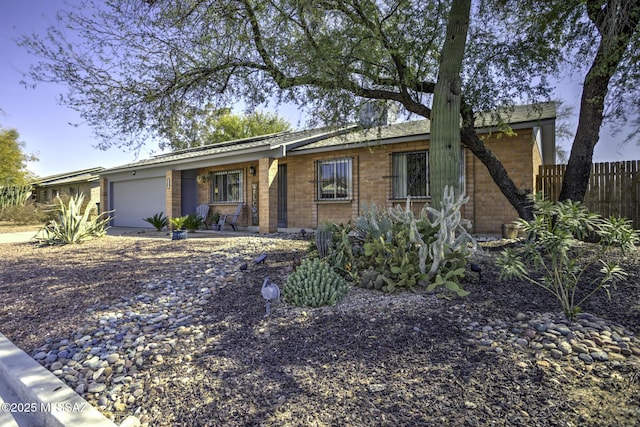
(334, 179)
(226, 186)
(411, 175)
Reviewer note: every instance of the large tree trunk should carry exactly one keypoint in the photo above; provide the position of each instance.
(470, 139)
(444, 145)
(617, 24)
(576, 176)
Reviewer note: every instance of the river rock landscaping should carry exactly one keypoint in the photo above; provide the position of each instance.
(175, 333)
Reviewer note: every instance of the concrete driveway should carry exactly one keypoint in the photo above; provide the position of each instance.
(22, 236)
(26, 236)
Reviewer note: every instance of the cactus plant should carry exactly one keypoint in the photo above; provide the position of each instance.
(324, 240)
(431, 249)
(371, 279)
(313, 284)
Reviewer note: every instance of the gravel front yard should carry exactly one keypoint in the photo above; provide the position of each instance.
(175, 333)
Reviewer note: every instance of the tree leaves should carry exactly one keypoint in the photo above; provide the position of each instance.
(13, 161)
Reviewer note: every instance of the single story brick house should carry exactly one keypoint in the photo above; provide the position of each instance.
(295, 180)
(85, 182)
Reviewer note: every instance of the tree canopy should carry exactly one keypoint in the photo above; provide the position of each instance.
(211, 126)
(600, 39)
(13, 161)
(133, 66)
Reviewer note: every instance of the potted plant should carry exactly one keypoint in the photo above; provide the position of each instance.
(178, 232)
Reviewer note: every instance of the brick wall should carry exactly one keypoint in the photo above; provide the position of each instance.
(490, 208)
(104, 195)
(204, 191)
(173, 194)
(487, 208)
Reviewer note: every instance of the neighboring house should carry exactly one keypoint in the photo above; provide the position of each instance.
(294, 180)
(85, 182)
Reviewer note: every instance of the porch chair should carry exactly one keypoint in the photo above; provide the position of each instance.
(229, 219)
(203, 211)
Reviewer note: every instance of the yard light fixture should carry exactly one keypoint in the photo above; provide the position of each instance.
(270, 292)
(252, 170)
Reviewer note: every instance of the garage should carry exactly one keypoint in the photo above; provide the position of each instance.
(137, 199)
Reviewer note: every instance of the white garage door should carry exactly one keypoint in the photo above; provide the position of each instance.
(134, 200)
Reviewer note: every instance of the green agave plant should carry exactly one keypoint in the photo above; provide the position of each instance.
(74, 225)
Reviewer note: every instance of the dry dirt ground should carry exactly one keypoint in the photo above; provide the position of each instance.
(373, 359)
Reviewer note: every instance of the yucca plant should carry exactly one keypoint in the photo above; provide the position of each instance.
(74, 225)
(178, 222)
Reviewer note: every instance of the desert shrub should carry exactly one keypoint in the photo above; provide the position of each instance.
(73, 224)
(28, 213)
(313, 284)
(555, 257)
(400, 250)
(158, 221)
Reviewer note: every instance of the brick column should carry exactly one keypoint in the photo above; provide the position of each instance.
(173, 193)
(268, 195)
(104, 195)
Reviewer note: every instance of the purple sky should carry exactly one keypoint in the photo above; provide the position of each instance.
(44, 126)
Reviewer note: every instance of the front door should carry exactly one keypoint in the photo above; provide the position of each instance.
(189, 191)
(282, 196)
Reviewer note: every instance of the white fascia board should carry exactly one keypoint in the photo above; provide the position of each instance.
(127, 175)
(218, 159)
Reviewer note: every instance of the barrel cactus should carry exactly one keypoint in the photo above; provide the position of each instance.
(313, 284)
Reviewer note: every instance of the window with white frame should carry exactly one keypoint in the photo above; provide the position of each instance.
(226, 186)
(410, 174)
(335, 179)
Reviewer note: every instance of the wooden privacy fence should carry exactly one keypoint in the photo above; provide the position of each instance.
(614, 188)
